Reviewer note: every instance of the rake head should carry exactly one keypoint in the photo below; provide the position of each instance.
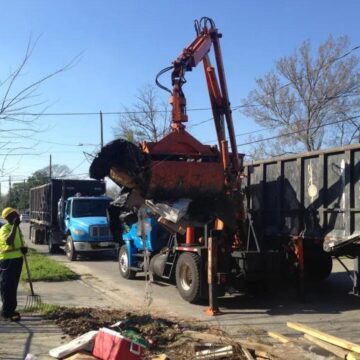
(33, 302)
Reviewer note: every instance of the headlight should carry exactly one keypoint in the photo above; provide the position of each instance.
(79, 232)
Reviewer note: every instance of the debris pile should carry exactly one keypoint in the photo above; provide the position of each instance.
(141, 336)
(137, 175)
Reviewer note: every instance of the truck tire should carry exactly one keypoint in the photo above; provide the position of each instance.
(317, 266)
(37, 236)
(44, 237)
(53, 248)
(69, 249)
(188, 277)
(125, 272)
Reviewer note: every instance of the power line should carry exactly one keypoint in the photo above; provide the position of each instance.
(247, 133)
(300, 131)
(103, 112)
(165, 111)
(22, 178)
(236, 107)
(25, 154)
(61, 144)
(200, 123)
(259, 105)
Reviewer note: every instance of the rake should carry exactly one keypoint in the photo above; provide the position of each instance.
(33, 301)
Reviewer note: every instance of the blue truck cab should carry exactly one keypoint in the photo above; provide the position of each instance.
(85, 225)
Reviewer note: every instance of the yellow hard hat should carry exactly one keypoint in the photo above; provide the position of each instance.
(7, 211)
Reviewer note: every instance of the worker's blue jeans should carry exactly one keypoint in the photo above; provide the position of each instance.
(10, 271)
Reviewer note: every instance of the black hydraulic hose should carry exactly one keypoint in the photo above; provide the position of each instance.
(157, 79)
(205, 20)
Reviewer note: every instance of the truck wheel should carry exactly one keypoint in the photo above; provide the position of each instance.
(69, 249)
(317, 266)
(43, 237)
(125, 272)
(188, 277)
(37, 236)
(53, 248)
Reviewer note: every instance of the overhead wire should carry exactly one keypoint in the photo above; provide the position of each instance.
(168, 90)
(20, 180)
(300, 131)
(265, 129)
(204, 20)
(236, 107)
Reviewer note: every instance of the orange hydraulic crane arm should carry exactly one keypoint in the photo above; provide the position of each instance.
(207, 37)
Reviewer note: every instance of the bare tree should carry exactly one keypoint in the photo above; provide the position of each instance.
(21, 104)
(309, 101)
(148, 119)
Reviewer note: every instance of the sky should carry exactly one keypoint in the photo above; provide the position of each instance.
(124, 44)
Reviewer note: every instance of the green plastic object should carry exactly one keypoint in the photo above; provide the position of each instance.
(135, 337)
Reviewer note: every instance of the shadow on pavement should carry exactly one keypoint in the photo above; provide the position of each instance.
(332, 296)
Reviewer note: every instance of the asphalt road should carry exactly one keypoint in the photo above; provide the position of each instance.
(328, 307)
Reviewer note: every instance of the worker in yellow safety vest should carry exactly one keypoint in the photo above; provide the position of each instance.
(11, 260)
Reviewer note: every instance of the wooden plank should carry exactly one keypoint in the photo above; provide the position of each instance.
(218, 339)
(279, 337)
(262, 355)
(204, 336)
(291, 351)
(247, 354)
(352, 356)
(324, 336)
(160, 357)
(336, 350)
(81, 356)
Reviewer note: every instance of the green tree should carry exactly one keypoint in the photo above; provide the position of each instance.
(18, 195)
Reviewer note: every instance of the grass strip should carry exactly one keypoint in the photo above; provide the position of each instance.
(42, 309)
(43, 268)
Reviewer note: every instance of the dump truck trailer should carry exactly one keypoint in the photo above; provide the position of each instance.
(314, 196)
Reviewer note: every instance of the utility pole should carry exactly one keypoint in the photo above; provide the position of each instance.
(9, 195)
(24, 196)
(50, 168)
(101, 130)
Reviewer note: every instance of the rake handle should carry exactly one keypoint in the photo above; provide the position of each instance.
(26, 265)
(28, 275)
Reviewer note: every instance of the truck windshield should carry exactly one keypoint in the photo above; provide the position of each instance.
(89, 207)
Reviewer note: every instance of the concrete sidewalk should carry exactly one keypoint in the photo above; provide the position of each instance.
(37, 336)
